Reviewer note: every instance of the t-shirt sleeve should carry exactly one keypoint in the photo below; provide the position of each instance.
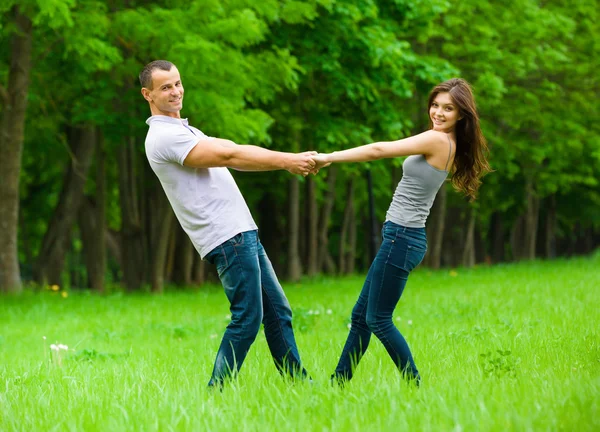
(174, 146)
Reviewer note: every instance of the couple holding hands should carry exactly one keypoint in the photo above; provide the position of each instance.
(193, 170)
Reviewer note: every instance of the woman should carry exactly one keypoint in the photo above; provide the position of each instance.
(454, 143)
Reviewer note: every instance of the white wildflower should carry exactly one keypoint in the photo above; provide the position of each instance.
(56, 353)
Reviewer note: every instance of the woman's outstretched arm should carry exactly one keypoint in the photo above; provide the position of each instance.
(425, 143)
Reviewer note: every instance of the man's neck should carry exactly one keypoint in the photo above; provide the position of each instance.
(155, 111)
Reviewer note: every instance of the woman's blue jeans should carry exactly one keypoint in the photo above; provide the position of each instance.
(255, 297)
(402, 249)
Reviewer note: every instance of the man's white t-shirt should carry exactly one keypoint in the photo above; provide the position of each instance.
(206, 201)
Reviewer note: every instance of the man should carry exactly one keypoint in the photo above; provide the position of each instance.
(192, 169)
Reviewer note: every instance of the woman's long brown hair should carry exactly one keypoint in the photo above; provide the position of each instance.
(470, 161)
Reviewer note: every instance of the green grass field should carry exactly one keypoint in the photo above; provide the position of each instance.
(511, 347)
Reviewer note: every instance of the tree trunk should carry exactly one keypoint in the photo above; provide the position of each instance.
(294, 270)
(588, 241)
(550, 240)
(329, 264)
(87, 224)
(97, 278)
(199, 269)
(172, 246)
(86, 220)
(351, 253)
(312, 217)
(11, 149)
(92, 227)
(344, 232)
(347, 246)
(113, 245)
(132, 234)
(161, 234)
(531, 221)
(56, 243)
(480, 250)
(26, 248)
(516, 238)
(435, 231)
(497, 235)
(273, 238)
(468, 256)
(325, 261)
(373, 238)
(454, 237)
(184, 261)
(74, 264)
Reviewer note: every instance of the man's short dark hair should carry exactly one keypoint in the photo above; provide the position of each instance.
(146, 73)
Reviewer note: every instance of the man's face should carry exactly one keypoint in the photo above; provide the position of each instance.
(166, 96)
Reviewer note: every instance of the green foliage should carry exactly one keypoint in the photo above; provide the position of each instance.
(498, 364)
(320, 75)
(530, 68)
(91, 355)
(54, 13)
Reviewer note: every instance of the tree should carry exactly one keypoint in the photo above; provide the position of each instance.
(11, 146)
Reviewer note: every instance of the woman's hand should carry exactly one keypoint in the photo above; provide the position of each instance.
(321, 160)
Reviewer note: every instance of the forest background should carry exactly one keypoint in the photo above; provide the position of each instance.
(81, 208)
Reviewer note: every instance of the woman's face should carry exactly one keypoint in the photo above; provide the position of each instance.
(443, 113)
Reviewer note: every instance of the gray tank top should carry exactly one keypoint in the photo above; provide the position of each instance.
(416, 191)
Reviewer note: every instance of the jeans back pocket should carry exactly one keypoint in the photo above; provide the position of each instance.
(414, 255)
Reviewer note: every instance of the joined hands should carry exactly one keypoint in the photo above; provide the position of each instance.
(306, 163)
(321, 161)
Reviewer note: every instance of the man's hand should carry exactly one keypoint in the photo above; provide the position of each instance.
(301, 163)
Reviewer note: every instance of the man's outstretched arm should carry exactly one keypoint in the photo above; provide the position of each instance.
(216, 152)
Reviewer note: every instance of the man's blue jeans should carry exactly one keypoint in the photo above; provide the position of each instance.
(255, 296)
(402, 249)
